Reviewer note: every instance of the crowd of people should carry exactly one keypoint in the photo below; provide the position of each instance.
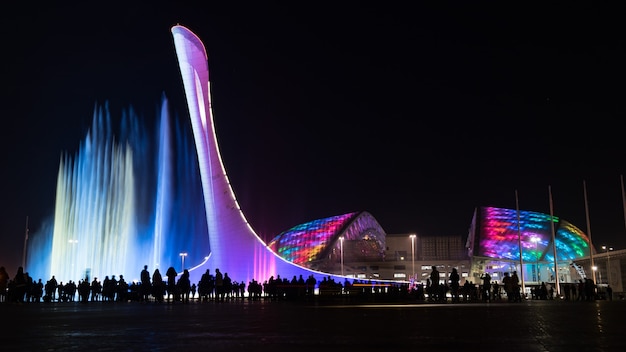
(220, 287)
(172, 287)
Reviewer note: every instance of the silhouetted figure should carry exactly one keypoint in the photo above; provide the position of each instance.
(254, 290)
(566, 292)
(301, 287)
(609, 292)
(192, 292)
(310, 285)
(508, 287)
(52, 286)
(542, 292)
(486, 287)
(590, 289)
(219, 286)
(495, 291)
(112, 291)
(70, 291)
(83, 290)
(184, 286)
(171, 284)
(467, 291)
(582, 291)
(61, 292)
(242, 289)
(146, 285)
(4, 283)
(455, 280)
(96, 290)
(206, 286)
(122, 290)
(158, 286)
(517, 297)
(29, 287)
(434, 284)
(19, 282)
(37, 291)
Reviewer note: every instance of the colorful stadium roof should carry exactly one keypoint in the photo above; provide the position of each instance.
(313, 242)
(497, 233)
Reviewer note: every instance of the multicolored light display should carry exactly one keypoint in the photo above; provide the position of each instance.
(500, 235)
(311, 242)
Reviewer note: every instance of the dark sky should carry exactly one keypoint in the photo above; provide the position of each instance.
(414, 113)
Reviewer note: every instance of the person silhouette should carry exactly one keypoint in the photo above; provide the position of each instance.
(171, 284)
(184, 286)
(146, 285)
(454, 284)
(4, 282)
(434, 284)
(158, 286)
(219, 286)
(486, 287)
(19, 282)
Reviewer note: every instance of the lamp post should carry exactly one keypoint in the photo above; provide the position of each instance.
(595, 269)
(599, 273)
(182, 257)
(608, 263)
(536, 240)
(341, 251)
(412, 236)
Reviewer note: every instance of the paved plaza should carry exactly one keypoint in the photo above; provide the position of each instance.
(296, 326)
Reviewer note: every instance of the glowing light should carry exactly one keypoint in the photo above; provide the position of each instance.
(499, 236)
(115, 198)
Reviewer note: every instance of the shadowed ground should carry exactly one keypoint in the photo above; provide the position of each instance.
(289, 326)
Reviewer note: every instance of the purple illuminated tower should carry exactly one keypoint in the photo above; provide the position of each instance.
(234, 246)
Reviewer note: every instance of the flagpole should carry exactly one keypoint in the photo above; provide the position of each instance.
(519, 244)
(621, 177)
(556, 266)
(589, 233)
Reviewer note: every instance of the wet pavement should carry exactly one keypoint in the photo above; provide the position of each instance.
(291, 326)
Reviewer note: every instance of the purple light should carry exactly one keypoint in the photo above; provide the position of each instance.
(498, 236)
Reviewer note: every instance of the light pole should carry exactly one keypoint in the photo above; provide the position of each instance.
(182, 257)
(536, 240)
(608, 263)
(341, 250)
(412, 236)
(595, 270)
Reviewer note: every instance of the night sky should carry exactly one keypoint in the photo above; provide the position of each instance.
(414, 113)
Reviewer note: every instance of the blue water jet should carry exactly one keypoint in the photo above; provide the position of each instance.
(124, 200)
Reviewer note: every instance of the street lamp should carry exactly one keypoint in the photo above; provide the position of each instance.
(182, 257)
(341, 250)
(595, 270)
(608, 263)
(536, 240)
(412, 236)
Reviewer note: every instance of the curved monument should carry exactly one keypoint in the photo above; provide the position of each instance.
(234, 246)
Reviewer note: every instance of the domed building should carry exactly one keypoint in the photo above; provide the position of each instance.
(331, 244)
(505, 240)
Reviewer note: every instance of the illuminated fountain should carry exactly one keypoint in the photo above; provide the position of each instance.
(129, 200)
(123, 201)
